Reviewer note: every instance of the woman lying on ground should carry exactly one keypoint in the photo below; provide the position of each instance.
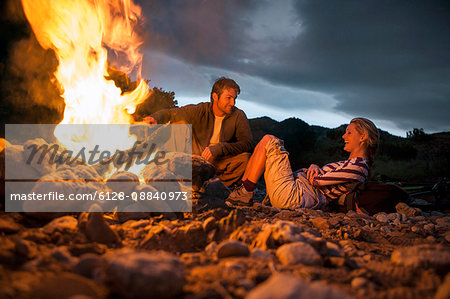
(312, 187)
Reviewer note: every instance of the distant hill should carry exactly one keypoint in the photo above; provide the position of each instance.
(424, 157)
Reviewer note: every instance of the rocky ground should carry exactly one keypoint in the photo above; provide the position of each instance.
(226, 252)
(215, 251)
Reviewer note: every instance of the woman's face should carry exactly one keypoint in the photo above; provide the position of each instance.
(352, 138)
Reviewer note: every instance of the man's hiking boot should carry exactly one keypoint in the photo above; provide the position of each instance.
(240, 197)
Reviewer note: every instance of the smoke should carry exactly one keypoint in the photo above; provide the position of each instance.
(28, 88)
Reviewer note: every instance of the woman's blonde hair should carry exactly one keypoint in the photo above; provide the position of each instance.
(365, 126)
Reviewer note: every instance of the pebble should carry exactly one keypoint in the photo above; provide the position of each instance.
(287, 286)
(443, 222)
(259, 253)
(94, 226)
(26, 248)
(320, 223)
(443, 291)
(359, 282)
(429, 227)
(64, 224)
(424, 255)
(87, 265)
(209, 224)
(334, 250)
(8, 226)
(407, 210)
(139, 274)
(298, 253)
(232, 248)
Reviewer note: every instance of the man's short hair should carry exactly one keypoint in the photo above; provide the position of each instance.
(223, 83)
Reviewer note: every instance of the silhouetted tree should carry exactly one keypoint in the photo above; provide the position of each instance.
(417, 134)
(157, 100)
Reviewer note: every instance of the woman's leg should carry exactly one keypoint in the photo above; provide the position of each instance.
(257, 162)
(243, 195)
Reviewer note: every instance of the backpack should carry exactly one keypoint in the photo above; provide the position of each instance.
(371, 198)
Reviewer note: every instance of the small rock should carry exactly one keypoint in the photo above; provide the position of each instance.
(443, 291)
(65, 285)
(8, 226)
(235, 219)
(385, 229)
(65, 224)
(443, 222)
(447, 236)
(425, 256)
(123, 181)
(232, 248)
(137, 274)
(429, 227)
(418, 230)
(259, 253)
(87, 265)
(381, 217)
(210, 249)
(62, 254)
(360, 283)
(230, 266)
(437, 213)
(215, 188)
(320, 223)
(209, 224)
(96, 229)
(26, 248)
(337, 261)
(298, 252)
(334, 250)
(403, 208)
(286, 286)
(274, 235)
(394, 216)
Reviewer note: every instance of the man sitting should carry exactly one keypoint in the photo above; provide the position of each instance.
(220, 131)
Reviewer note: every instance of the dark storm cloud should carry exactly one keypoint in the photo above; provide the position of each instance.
(383, 59)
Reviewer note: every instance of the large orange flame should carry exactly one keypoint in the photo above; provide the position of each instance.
(81, 33)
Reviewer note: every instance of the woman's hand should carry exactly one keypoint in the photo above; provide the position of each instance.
(312, 172)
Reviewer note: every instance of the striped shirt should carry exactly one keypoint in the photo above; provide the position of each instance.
(338, 176)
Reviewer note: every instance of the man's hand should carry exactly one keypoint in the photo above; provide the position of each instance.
(149, 120)
(207, 153)
(312, 172)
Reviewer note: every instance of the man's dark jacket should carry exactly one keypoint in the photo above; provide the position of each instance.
(235, 135)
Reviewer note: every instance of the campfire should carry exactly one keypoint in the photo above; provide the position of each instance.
(88, 37)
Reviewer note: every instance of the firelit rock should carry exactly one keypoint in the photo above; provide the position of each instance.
(64, 285)
(232, 248)
(87, 265)
(8, 225)
(95, 227)
(42, 161)
(320, 223)
(15, 156)
(298, 253)
(65, 224)
(215, 188)
(123, 181)
(138, 274)
(403, 208)
(274, 235)
(425, 256)
(202, 171)
(287, 286)
(443, 291)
